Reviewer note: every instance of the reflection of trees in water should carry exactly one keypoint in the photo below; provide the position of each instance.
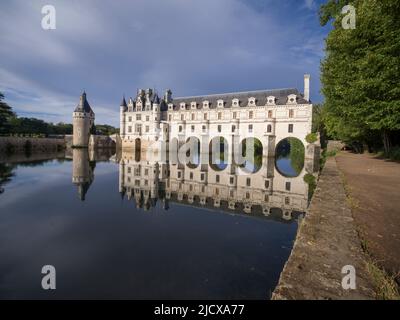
(253, 161)
(6, 173)
(293, 149)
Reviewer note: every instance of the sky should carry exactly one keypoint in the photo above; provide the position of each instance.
(111, 48)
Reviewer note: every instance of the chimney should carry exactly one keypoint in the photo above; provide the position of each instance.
(307, 87)
(168, 96)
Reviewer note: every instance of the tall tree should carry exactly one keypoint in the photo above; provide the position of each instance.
(5, 114)
(361, 72)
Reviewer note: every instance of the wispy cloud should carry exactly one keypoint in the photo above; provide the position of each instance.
(114, 47)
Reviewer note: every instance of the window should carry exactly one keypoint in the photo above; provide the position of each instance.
(147, 118)
(266, 184)
(287, 186)
(204, 128)
(234, 115)
(217, 191)
(247, 195)
(129, 128)
(219, 128)
(129, 119)
(169, 117)
(269, 113)
(203, 189)
(182, 117)
(287, 200)
(205, 116)
(192, 128)
(269, 128)
(291, 113)
(219, 115)
(231, 180)
(231, 193)
(129, 169)
(190, 188)
(138, 117)
(180, 128)
(233, 128)
(179, 174)
(202, 177)
(250, 114)
(248, 182)
(217, 178)
(146, 172)
(193, 116)
(290, 128)
(266, 198)
(250, 128)
(138, 128)
(191, 176)
(147, 128)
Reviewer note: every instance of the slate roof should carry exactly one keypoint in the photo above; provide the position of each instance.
(280, 95)
(83, 105)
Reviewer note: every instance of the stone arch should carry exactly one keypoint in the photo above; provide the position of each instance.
(289, 157)
(193, 152)
(252, 150)
(218, 153)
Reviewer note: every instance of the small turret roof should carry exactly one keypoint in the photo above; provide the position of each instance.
(123, 102)
(83, 105)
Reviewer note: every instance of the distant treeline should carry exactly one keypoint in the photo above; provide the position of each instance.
(11, 124)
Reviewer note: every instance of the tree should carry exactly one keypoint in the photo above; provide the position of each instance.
(361, 72)
(5, 114)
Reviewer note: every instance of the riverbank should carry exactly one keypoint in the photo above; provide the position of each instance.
(9, 145)
(327, 241)
(373, 186)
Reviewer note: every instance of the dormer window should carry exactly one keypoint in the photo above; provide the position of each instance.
(271, 100)
(220, 103)
(193, 105)
(206, 104)
(170, 106)
(292, 99)
(235, 102)
(183, 105)
(252, 101)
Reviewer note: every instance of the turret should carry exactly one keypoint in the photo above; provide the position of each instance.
(83, 120)
(123, 108)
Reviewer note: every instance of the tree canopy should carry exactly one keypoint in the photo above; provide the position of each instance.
(361, 72)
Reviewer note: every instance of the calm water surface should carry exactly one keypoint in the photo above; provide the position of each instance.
(75, 214)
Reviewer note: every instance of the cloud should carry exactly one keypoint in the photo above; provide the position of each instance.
(310, 4)
(113, 47)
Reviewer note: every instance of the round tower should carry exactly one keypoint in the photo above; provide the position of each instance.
(83, 121)
(123, 108)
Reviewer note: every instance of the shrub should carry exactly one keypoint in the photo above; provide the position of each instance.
(312, 137)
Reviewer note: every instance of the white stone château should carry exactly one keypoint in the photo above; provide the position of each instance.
(83, 120)
(268, 115)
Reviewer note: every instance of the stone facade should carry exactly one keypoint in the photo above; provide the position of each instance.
(268, 115)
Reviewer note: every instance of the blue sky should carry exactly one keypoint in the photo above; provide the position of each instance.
(111, 48)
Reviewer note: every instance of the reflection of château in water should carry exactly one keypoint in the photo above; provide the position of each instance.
(230, 189)
(82, 171)
(83, 165)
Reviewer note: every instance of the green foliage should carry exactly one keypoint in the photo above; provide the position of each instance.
(5, 114)
(311, 137)
(297, 153)
(106, 129)
(309, 179)
(361, 72)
